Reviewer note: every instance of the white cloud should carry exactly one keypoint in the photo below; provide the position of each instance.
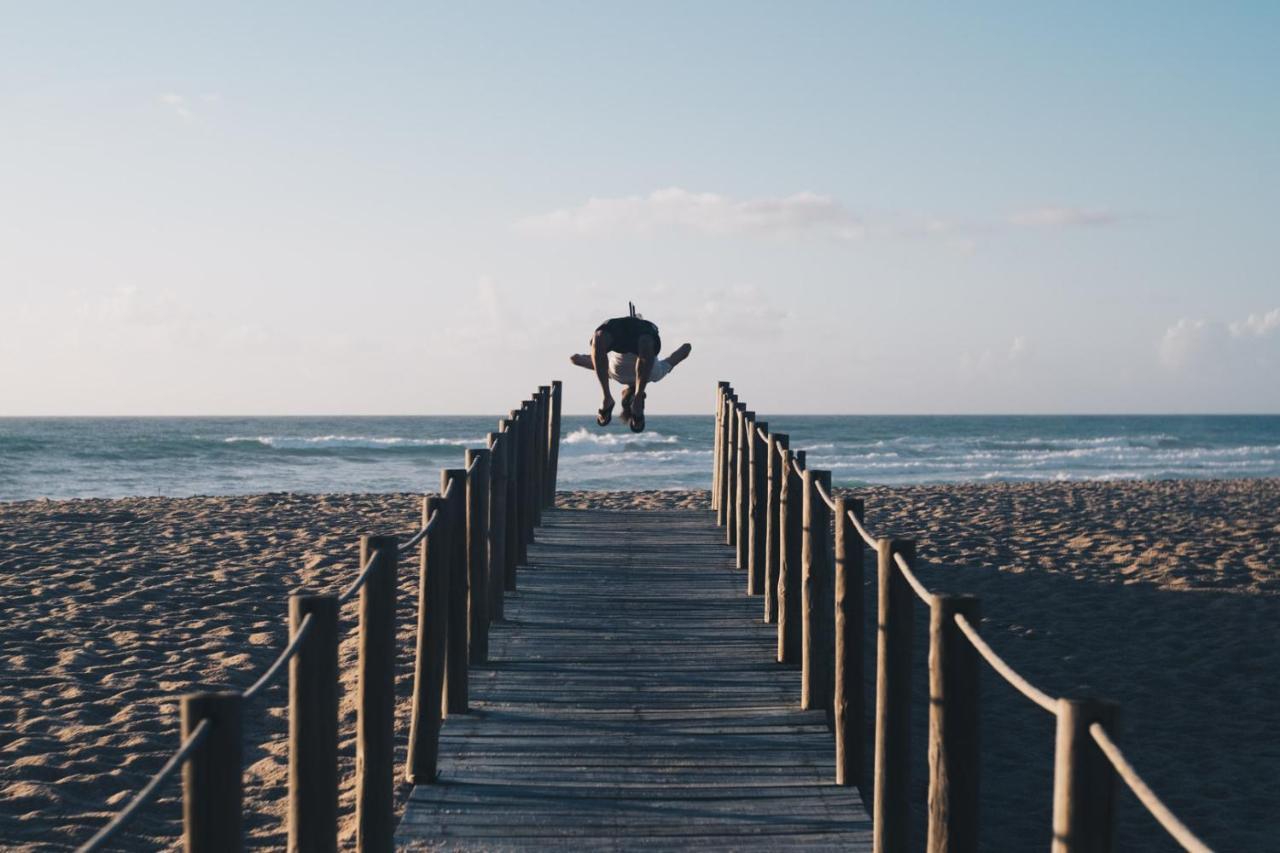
(1256, 325)
(178, 105)
(706, 213)
(1062, 217)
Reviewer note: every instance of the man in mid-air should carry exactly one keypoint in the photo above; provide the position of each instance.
(627, 348)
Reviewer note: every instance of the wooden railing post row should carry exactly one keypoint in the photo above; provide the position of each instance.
(953, 727)
(497, 524)
(477, 555)
(773, 531)
(791, 527)
(512, 509)
(212, 777)
(313, 725)
(758, 506)
(455, 682)
(850, 713)
(431, 646)
(742, 509)
(1084, 782)
(890, 807)
(553, 440)
(376, 704)
(816, 613)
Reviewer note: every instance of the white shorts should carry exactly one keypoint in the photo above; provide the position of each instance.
(622, 368)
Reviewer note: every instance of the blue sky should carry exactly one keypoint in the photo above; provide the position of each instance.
(425, 208)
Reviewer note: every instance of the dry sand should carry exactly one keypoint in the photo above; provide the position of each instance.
(1162, 596)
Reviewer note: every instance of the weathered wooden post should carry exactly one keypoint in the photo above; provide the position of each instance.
(726, 453)
(497, 524)
(313, 725)
(520, 426)
(432, 641)
(554, 443)
(1084, 782)
(718, 434)
(512, 543)
(529, 436)
(477, 554)
(541, 452)
(455, 683)
(742, 511)
(773, 530)
(890, 810)
(815, 648)
(212, 778)
(729, 495)
(376, 707)
(849, 711)
(791, 526)
(953, 727)
(758, 506)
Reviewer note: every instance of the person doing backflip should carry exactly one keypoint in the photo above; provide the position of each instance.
(637, 338)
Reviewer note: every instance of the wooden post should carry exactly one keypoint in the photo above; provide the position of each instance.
(716, 435)
(542, 417)
(849, 711)
(512, 442)
(730, 491)
(742, 512)
(455, 682)
(376, 705)
(529, 436)
(313, 725)
(790, 506)
(477, 555)
(1084, 782)
(953, 727)
(520, 421)
(758, 506)
(212, 778)
(497, 524)
(725, 488)
(554, 442)
(432, 642)
(890, 808)
(773, 530)
(815, 648)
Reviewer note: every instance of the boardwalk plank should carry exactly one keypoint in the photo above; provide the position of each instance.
(631, 701)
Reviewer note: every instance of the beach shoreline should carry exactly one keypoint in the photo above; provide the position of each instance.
(1160, 594)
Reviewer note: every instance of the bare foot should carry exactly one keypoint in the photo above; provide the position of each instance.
(606, 412)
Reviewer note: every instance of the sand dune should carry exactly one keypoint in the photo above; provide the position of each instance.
(1160, 595)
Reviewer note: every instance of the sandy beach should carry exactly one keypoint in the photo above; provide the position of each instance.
(1160, 595)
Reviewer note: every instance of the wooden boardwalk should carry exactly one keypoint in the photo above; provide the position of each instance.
(633, 701)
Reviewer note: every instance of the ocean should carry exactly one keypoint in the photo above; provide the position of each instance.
(116, 457)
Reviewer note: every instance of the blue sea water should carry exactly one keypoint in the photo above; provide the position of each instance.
(114, 457)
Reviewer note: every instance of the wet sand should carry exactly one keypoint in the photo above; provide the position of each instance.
(1162, 596)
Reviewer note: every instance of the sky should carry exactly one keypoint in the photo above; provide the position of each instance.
(425, 208)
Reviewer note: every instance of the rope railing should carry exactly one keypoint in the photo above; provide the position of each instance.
(122, 817)
(919, 588)
(295, 643)
(488, 511)
(1008, 673)
(749, 500)
(1167, 819)
(867, 538)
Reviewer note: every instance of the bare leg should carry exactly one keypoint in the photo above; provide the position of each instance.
(600, 344)
(644, 369)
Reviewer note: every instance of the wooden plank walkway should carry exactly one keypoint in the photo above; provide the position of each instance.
(633, 702)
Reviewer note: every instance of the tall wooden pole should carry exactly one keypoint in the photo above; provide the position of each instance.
(497, 524)
(431, 646)
(730, 495)
(742, 511)
(212, 778)
(815, 648)
(313, 725)
(758, 507)
(850, 716)
(1084, 782)
(554, 442)
(375, 709)
(953, 727)
(512, 441)
(477, 554)
(716, 436)
(455, 685)
(791, 525)
(890, 808)
(773, 530)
